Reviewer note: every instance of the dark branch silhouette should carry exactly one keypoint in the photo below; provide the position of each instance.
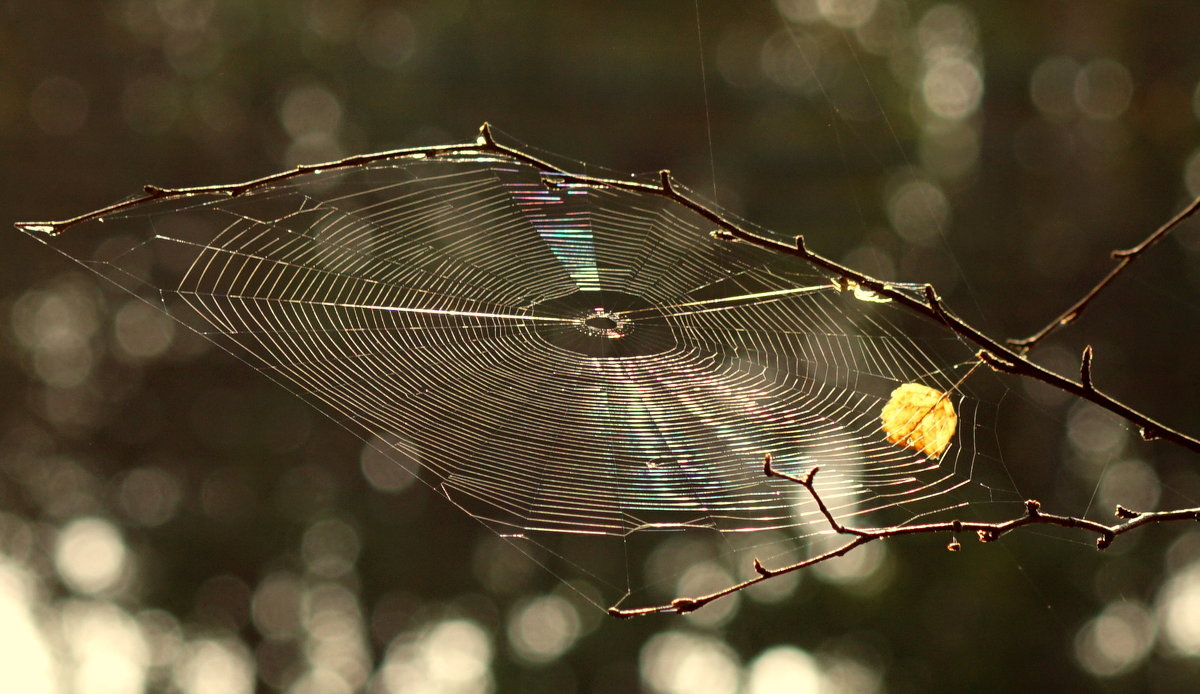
(857, 537)
(1006, 356)
(1124, 258)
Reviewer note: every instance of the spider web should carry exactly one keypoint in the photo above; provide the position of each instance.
(582, 368)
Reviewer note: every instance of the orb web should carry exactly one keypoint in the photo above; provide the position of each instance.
(584, 369)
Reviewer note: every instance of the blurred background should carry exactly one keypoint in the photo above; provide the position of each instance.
(172, 521)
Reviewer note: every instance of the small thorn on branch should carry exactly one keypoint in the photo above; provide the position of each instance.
(1149, 433)
(935, 302)
(1085, 369)
(722, 235)
(1125, 513)
(987, 532)
(485, 135)
(767, 469)
(153, 190)
(665, 178)
(800, 245)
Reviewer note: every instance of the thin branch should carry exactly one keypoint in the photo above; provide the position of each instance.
(997, 355)
(1124, 259)
(857, 537)
(1008, 358)
(152, 193)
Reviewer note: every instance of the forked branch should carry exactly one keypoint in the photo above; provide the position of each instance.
(857, 537)
(1000, 356)
(1009, 357)
(996, 354)
(1124, 258)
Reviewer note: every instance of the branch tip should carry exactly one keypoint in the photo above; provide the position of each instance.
(1085, 368)
(48, 228)
(768, 470)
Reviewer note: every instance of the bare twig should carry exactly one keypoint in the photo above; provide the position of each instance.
(1009, 358)
(1124, 258)
(996, 354)
(999, 356)
(857, 537)
(153, 193)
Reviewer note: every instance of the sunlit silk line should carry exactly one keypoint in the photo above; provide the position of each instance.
(443, 312)
(398, 309)
(726, 302)
(567, 232)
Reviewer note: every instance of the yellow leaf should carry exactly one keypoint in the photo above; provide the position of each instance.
(920, 418)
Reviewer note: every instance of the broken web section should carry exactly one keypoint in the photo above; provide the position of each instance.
(584, 369)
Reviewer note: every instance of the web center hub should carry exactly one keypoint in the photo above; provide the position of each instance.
(601, 323)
